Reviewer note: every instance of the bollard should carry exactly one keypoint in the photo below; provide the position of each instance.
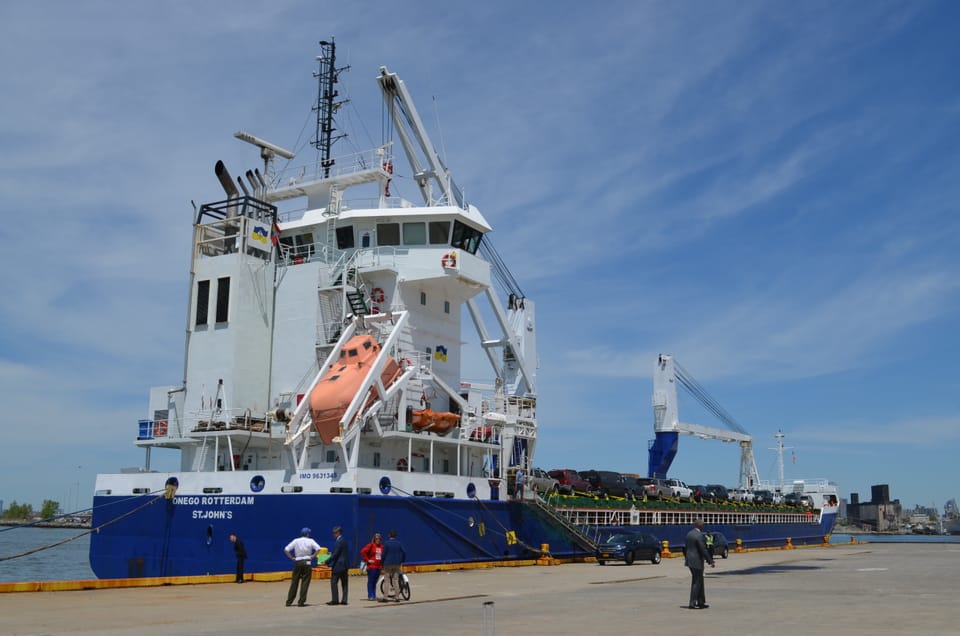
(489, 611)
(789, 545)
(739, 547)
(666, 549)
(545, 557)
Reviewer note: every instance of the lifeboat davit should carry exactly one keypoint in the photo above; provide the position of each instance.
(334, 392)
(440, 423)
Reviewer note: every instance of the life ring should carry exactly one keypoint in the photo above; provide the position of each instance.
(377, 295)
(402, 464)
(160, 428)
(406, 362)
(388, 167)
(449, 260)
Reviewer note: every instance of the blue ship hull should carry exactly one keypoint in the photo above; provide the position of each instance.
(148, 537)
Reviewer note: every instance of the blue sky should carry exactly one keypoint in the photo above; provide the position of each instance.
(767, 192)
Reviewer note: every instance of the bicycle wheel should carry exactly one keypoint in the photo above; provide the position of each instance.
(404, 588)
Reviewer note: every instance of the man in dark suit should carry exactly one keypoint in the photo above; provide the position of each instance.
(695, 553)
(241, 553)
(339, 566)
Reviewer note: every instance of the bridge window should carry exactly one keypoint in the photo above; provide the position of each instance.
(465, 237)
(345, 237)
(388, 234)
(415, 233)
(439, 232)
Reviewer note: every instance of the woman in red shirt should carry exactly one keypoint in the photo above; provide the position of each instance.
(372, 555)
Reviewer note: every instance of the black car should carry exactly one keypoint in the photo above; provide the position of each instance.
(607, 483)
(629, 546)
(718, 492)
(716, 543)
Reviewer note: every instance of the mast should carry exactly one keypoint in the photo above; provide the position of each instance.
(327, 76)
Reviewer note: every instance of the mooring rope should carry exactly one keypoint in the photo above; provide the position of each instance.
(82, 534)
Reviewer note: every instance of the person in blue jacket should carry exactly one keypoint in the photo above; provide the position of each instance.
(339, 563)
(393, 557)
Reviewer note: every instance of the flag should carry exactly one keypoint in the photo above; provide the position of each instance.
(275, 233)
(793, 456)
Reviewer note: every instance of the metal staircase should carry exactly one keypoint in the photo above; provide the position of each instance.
(578, 535)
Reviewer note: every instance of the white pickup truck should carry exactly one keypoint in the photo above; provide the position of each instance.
(679, 489)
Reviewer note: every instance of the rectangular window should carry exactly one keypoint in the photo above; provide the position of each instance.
(446, 306)
(439, 232)
(223, 298)
(388, 234)
(203, 301)
(423, 298)
(415, 233)
(376, 459)
(345, 237)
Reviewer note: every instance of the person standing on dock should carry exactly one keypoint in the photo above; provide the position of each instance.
(339, 567)
(241, 551)
(301, 551)
(372, 555)
(393, 557)
(695, 553)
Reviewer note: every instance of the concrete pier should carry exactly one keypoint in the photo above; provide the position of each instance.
(851, 589)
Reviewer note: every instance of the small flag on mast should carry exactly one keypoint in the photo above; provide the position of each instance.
(275, 233)
(793, 456)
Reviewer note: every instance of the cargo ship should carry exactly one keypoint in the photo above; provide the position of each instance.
(322, 380)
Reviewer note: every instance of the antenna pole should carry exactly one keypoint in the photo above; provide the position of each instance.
(328, 75)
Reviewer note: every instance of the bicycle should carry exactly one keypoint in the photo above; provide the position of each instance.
(404, 585)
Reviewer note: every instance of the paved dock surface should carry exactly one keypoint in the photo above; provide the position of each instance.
(856, 589)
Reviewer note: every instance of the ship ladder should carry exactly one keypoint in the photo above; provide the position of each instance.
(579, 535)
(357, 304)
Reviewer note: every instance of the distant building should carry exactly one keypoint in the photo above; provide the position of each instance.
(880, 514)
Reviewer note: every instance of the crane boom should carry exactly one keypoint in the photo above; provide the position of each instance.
(424, 160)
(668, 428)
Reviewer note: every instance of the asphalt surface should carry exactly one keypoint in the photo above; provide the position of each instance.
(851, 589)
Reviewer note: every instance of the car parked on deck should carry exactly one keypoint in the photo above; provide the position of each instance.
(628, 547)
(719, 492)
(652, 488)
(541, 481)
(679, 489)
(570, 481)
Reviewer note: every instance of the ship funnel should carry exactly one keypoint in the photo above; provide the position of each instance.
(254, 185)
(263, 182)
(243, 187)
(227, 182)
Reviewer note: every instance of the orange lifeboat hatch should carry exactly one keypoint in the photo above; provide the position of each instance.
(332, 395)
(440, 423)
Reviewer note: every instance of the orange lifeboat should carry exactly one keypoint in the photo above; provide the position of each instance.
(440, 423)
(332, 395)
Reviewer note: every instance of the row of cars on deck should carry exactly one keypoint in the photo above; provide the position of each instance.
(608, 483)
(641, 546)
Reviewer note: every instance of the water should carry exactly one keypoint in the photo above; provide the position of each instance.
(840, 539)
(67, 562)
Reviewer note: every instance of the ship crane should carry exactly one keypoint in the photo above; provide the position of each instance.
(668, 427)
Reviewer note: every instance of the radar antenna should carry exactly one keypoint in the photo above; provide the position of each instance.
(327, 76)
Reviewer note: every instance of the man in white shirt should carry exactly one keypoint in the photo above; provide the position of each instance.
(301, 551)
